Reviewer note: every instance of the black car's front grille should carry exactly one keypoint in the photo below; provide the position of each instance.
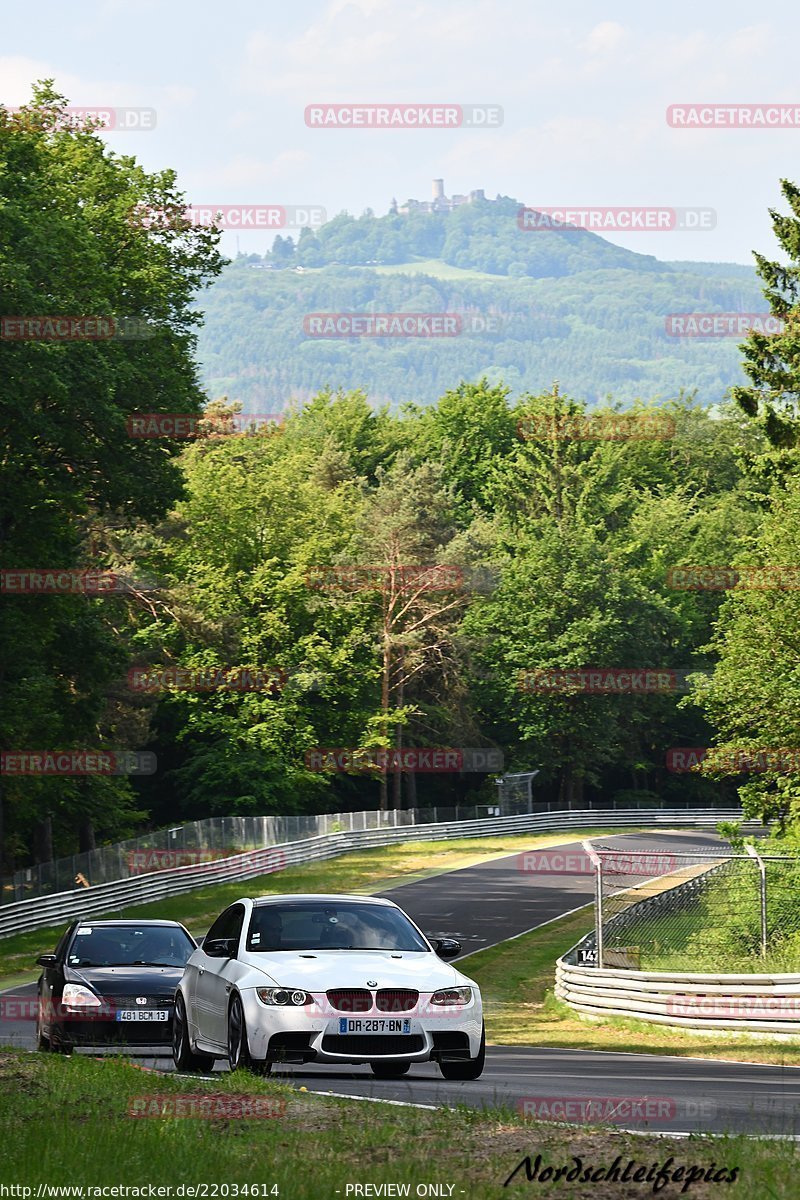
(396, 999)
(132, 1002)
(374, 1045)
(350, 1000)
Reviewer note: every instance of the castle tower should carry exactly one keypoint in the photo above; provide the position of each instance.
(438, 190)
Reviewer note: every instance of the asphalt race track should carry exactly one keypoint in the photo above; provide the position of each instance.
(488, 903)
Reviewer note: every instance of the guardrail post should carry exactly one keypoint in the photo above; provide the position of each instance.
(762, 871)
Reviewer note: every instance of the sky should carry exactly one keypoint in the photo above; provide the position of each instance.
(584, 91)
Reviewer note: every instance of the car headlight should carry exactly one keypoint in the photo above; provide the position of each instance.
(284, 996)
(459, 995)
(79, 997)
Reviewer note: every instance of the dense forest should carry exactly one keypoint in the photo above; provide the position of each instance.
(361, 575)
(534, 306)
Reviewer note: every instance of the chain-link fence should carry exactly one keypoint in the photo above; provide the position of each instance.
(214, 838)
(699, 911)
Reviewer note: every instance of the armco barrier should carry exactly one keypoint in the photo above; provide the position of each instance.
(684, 1000)
(747, 1002)
(43, 911)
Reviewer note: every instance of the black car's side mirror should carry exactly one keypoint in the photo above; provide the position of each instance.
(220, 947)
(46, 960)
(447, 947)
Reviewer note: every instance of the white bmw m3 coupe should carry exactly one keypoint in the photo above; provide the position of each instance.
(326, 979)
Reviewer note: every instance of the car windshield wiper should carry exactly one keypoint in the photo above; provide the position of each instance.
(133, 962)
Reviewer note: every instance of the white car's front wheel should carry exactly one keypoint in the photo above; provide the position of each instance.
(238, 1050)
(183, 1056)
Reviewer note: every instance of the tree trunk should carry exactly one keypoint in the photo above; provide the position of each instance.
(387, 665)
(411, 790)
(43, 840)
(86, 838)
(397, 782)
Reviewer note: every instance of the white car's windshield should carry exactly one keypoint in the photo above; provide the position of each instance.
(322, 926)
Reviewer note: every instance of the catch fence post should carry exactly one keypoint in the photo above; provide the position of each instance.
(762, 871)
(597, 863)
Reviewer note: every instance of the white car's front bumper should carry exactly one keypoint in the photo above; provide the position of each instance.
(314, 1033)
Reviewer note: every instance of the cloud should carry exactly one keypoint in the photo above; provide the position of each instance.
(605, 38)
(243, 171)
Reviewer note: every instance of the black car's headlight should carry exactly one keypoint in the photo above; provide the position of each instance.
(76, 996)
(459, 995)
(291, 997)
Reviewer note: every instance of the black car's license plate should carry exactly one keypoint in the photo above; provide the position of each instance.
(142, 1014)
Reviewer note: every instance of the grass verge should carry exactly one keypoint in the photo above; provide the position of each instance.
(67, 1122)
(516, 980)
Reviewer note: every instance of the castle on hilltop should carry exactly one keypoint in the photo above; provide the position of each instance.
(439, 204)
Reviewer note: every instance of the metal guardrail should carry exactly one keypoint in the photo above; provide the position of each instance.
(43, 911)
(767, 1003)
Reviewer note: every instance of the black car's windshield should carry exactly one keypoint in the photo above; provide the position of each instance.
(129, 946)
(321, 926)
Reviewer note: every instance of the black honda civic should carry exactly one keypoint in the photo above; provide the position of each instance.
(111, 983)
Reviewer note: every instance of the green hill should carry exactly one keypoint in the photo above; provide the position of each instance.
(534, 306)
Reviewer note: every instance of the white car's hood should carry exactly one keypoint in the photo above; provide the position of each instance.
(355, 969)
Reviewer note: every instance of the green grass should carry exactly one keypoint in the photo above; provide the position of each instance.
(517, 977)
(66, 1121)
(360, 871)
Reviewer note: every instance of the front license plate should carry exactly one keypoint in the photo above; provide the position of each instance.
(374, 1025)
(135, 1014)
